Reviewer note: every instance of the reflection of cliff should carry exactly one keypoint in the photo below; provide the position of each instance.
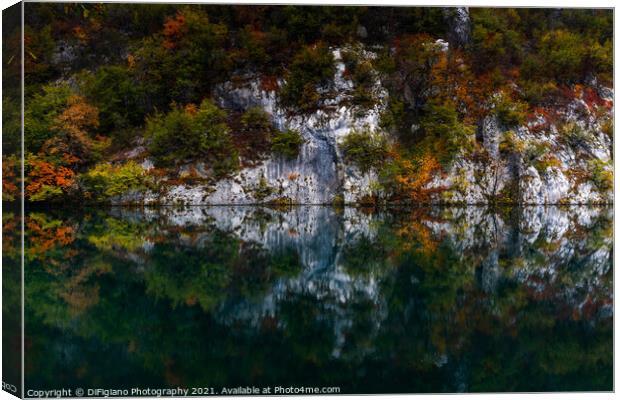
(415, 290)
(345, 255)
(564, 252)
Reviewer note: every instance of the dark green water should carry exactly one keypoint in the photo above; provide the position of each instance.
(429, 300)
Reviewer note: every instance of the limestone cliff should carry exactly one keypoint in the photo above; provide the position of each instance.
(541, 162)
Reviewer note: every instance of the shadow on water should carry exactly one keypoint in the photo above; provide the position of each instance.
(425, 300)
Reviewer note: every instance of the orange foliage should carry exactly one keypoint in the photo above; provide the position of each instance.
(76, 291)
(78, 116)
(415, 176)
(10, 190)
(420, 235)
(131, 61)
(191, 109)
(73, 142)
(45, 173)
(42, 238)
(80, 34)
(174, 28)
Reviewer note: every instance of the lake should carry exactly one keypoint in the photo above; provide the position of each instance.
(468, 299)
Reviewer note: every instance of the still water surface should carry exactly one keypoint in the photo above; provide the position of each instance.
(425, 300)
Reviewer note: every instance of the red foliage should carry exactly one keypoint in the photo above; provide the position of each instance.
(269, 83)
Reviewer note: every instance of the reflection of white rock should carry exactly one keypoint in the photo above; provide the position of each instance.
(557, 252)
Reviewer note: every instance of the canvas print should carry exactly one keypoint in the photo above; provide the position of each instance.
(283, 199)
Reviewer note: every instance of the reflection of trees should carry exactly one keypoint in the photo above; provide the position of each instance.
(413, 296)
(11, 297)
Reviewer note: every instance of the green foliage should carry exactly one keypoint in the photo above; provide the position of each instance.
(394, 114)
(338, 201)
(183, 62)
(510, 143)
(534, 153)
(192, 133)
(601, 174)
(536, 93)
(362, 73)
(509, 112)
(255, 119)
(495, 37)
(440, 122)
(608, 128)
(568, 57)
(39, 46)
(547, 162)
(286, 143)
(119, 97)
(574, 134)
(122, 63)
(311, 69)
(411, 70)
(47, 193)
(11, 124)
(106, 180)
(309, 24)
(263, 189)
(365, 148)
(41, 112)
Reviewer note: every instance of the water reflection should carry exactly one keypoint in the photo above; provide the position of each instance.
(423, 300)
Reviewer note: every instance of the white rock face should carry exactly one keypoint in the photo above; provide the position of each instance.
(318, 175)
(550, 166)
(459, 24)
(526, 179)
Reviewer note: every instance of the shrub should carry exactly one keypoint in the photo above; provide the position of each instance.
(11, 170)
(286, 143)
(510, 143)
(442, 128)
(393, 116)
(251, 134)
(263, 189)
(366, 149)
(362, 74)
(184, 60)
(600, 175)
(45, 180)
(40, 114)
(73, 131)
(563, 54)
(192, 133)
(509, 112)
(607, 127)
(494, 40)
(106, 180)
(547, 162)
(118, 96)
(407, 175)
(255, 119)
(311, 68)
(574, 134)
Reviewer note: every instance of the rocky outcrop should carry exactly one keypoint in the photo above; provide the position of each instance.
(543, 162)
(561, 160)
(459, 25)
(318, 175)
